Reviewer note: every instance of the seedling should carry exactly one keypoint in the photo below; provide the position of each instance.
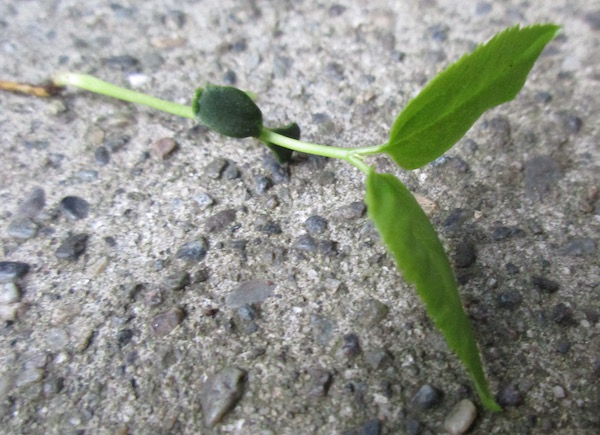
(429, 125)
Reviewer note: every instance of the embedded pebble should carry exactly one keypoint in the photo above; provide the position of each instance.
(545, 284)
(315, 225)
(320, 381)
(215, 168)
(353, 211)
(87, 175)
(124, 336)
(29, 376)
(72, 247)
(279, 174)
(262, 184)
(461, 417)
(137, 80)
(249, 292)
(579, 247)
(425, 398)
(509, 396)
(193, 251)
(116, 142)
(464, 254)
(124, 62)
(378, 358)
(561, 314)
(56, 339)
(220, 221)
(164, 147)
(22, 228)
(500, 130)
(163, 323)
(372, 312)
(9, 312)
(350, 346)
(9, 294)
(11, 270)
(305, 243)
(176, 281)
(231, 171)
(541, 174)
(102, 156)
(559, 392)
(322, 329)
(413, 426)
(509, 299)
(221, 393)
(74, 207)
(204, 200)
(270, 227)
(33, 203)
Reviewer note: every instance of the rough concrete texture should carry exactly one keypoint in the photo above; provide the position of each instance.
(115, 328)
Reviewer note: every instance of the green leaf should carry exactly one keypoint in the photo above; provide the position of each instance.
(284, 155)
(227, 110)
(448, 106)
(410, 237)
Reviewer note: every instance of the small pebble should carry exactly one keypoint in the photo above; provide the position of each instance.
(164, 147)
(315, 225)
(124, 336)
(176, 281)
(378, 359)
(193, 251)
(464, 254)
(322, 329)
(425, 398)
(29, 376)
(262, 184)
(305, 243)
(371, 427)
(163, 323)
(320, 381)
(11, 270)
(74, 207)
(353, 211)
(231, 171)
(350, 346)
(9, 294)
(102, 156)
(509, 396)
(33, 203)
(545, 284)
(248, 293)
(372, 312)
(215, 168)
(271, 227)
(509, 299)
(278, 173)
(72, 247)
(579, 247)
(9, 312)
(204, 200)
(87, 175)
(22, 228)
(220, 221)
(461, 417)
(56, 339)
(221, 393)
(559, 392)
(115, 143)
(561, 314)
(413, 426)
(137, 80)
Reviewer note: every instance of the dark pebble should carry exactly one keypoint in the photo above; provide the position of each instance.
(315, 225)
(124, 336)
(174, 19)
(221, 393)
(220, 221)
(509, 396)
(371, 427)
(74, 207)
(563, 347)
(336, 10)
(509, 299)
(483, 8)
(593, 19)
(579, 247)
(561, 314)
(354, 210)
(73, 247)
(163, 323)
(123, 62)
(351, 346)
(176, 281)
(512, 268)
(439, 32)
(164, 147)
(37, 144)
(544, 284)
(278, 173)
(464, 254)
(12, 270)
(501, 233)
(193, 251)
(231, 171)
(572, 123)
(230, 77)
(541, 174)
(320, 381)
(247, 313)
(262, 184)
(327, 247)
(271, 227)
(115, 143)
(427, 397)
(413, 427)
(33, 203)
(102, 156)
(22, 228)
(543, 97)
(456, 219)
(305, 243)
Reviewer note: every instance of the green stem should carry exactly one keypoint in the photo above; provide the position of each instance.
(98, 86)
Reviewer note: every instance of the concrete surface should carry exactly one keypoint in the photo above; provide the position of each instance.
(137, 336)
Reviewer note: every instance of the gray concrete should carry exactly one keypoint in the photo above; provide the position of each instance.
(123, 339)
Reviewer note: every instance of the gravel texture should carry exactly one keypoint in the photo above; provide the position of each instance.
(158, 278)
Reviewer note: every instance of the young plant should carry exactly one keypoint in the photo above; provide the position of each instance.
(429, 125)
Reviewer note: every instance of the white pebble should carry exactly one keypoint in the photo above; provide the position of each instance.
(137, 80)
(461, 417)
(559, 392)
(9, 294)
